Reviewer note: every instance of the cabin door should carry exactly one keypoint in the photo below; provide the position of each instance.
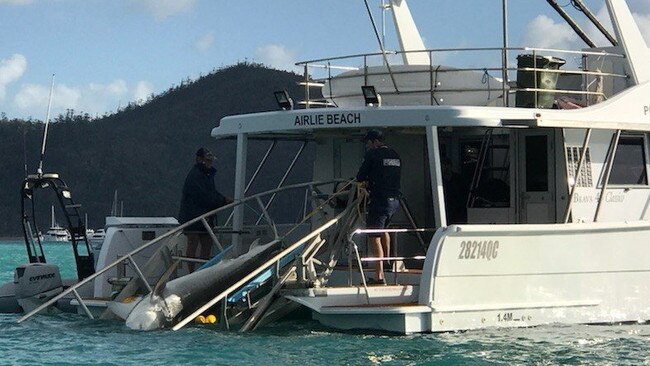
(536, 176)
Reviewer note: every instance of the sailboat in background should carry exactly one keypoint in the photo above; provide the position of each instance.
(56, 232)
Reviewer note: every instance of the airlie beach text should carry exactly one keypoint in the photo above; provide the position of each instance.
(328, 119)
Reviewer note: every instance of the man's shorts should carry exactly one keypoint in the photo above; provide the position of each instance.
(380, 211)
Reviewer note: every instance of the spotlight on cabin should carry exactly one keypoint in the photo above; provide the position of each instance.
(371, 96)
(283, 99)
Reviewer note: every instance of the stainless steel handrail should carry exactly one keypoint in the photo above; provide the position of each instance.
(359, 260)
(507, 90)
(168, 234)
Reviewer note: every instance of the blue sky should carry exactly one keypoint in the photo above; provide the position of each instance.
(106, 54)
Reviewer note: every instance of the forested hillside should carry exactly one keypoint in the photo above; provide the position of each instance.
(145, 151)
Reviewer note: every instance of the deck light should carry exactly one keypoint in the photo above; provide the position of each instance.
(284, 100)
(371, 96)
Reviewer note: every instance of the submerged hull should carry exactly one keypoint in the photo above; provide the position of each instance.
(182, 296)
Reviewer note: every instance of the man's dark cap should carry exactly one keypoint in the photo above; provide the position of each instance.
(204, 153)
(374, 135)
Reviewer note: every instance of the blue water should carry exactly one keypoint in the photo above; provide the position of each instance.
(74, 340)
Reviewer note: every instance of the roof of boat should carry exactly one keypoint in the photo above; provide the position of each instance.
(629, 110)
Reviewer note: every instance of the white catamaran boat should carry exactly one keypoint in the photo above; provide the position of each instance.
(544, 219)
(56, 232)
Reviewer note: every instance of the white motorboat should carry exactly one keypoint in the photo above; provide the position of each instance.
(556, 203)
(545, 221)
(56, 233)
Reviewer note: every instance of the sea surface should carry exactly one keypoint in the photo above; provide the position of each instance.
(75, 340)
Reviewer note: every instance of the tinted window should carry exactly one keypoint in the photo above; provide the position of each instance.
(536, 164)
(629, 162)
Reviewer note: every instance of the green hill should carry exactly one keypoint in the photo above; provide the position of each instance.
(145, 151)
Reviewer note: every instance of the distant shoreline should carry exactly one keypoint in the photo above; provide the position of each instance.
(10, 238)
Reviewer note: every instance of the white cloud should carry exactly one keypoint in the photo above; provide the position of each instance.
(11, 69)
(205, 42)
(93, 98)
(544, 32)
(277, 56)
(16, 2)
(641, 15)
(35, 97)
(162, 9)
(142, 91)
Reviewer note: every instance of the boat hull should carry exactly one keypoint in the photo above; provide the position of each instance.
(478, 276)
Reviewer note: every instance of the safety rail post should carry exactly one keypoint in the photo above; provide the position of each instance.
(265, 303)
(365, 70)
(431, 81)
(137, 270)
(363, 275)
(265, 214)
(353, 245)
(535, 77)
(254, 176)
(329, 79)
(576, 175)
(207, 228)
(504, 55)
(307, 97)
(284, 178)
(504, 75)
(608, 170)
(259, 270)
(585, 79)
(224, 313)
(82, 304)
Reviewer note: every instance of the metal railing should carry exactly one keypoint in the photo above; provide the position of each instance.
(432, 88)
(359, 260)
(176, 233)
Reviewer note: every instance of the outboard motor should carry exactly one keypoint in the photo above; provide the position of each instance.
(36, 283)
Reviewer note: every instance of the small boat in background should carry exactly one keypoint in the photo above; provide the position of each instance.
(56, 232)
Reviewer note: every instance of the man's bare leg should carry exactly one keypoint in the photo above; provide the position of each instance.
(192, 244)
(386, 244)
(206, 246)
(379, 252)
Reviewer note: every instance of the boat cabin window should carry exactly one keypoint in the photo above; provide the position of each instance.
(629, 166)
(476, 172)
(536, 163)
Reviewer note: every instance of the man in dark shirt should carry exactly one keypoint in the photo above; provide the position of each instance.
(380, 172)
(199, 196)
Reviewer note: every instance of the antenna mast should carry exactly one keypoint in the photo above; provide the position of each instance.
(47, 123)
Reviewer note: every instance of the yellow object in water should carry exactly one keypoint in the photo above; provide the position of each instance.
(200, 319)
(211, 319)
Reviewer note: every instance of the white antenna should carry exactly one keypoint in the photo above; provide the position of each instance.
(384, 7)
(114, 206)
(47, 123)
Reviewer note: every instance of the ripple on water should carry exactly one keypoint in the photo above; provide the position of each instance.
(74, 340)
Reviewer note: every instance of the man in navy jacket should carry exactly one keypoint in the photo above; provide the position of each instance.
(200, 196)
(380, 172)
